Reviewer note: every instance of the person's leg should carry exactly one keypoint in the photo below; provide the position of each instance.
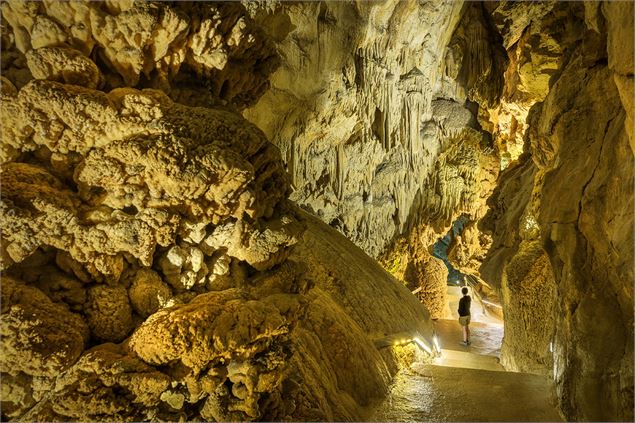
(466, 333)
(463, 322)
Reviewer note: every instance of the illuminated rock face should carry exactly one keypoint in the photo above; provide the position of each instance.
(154, 267)
(410, 262)
(562, 220)
(376, 133)
(146, 242)
(347, 137)
(371, 120)
(198, 53)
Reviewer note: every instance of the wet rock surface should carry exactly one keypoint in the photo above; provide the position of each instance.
(435, 393)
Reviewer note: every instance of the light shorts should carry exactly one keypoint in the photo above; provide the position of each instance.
(464, 320)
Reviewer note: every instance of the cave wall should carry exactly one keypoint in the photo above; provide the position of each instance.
(369, 110)
(143, 217)
(147, 231)
(410, 262)
(562, 216)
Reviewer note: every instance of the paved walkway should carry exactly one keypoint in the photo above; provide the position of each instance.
(452, 394)
(486, 338)
(486, 335)
(467, 383)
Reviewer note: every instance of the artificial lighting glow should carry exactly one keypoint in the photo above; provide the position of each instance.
(492, 304)
(423, 345)
(437, 347)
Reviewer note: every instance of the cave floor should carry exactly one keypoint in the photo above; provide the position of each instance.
(467, 383)
(428, 392)
(485, 339)
(486, 336)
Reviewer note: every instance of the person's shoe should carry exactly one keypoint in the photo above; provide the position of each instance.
(464, 343)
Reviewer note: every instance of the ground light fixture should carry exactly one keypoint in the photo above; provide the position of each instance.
(423, 345)
(437, 347)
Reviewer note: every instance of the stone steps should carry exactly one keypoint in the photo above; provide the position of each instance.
(453, 358)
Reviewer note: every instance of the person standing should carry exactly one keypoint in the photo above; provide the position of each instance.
(464, 315)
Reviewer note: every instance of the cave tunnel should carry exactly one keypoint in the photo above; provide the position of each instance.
(441, 247)
(266, 211)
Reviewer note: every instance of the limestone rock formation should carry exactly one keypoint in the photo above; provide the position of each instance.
(537, 37)
(411, 262)
(468, 249)
(382, 134)
(433, 276)
(569, 200)
(109, 313)
(148, 293)
(369, 129)
(344, 312)
(154, 264)
(39, 337)
(105, 381)
(198, 53)
(129, 191)
(478, 56)
(63, 65)
(148, 270)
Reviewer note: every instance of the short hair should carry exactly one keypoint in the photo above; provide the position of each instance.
(464, 290)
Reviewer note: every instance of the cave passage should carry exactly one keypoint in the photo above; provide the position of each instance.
(169, 171)
(440, 250)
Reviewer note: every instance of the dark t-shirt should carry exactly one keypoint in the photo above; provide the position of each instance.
(464, 305)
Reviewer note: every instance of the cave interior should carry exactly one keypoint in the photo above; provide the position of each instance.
(266, 210)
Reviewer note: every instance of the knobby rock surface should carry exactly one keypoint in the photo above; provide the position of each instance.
(561, 218)
(148, 270)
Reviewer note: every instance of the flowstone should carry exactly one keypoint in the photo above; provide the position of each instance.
(146, 232)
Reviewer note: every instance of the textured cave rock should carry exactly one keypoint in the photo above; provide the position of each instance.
(345, 311)
(199, 53)
(154, 269)
(381, 133)
(537, 36)
(468, 249)
(593, 225)
(477, 52)
(290, 343)
(375, 131)
(141, 165)
(411, 262)
(562, 217)
(39, 337)
(148, 270)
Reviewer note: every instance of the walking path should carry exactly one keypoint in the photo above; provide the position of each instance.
(451, 394)
(467, 383)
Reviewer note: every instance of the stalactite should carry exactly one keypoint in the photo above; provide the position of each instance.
(397, 76)
(340, 170)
